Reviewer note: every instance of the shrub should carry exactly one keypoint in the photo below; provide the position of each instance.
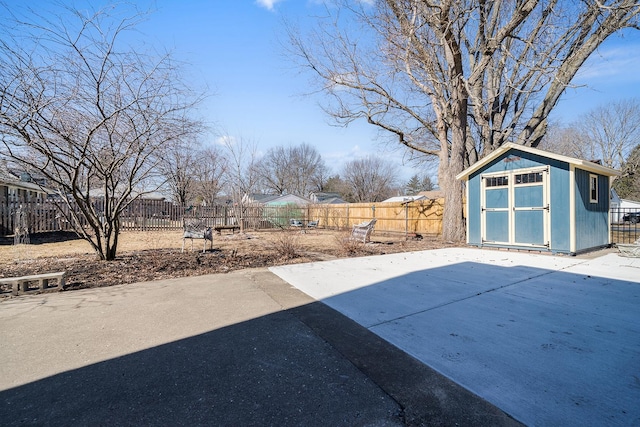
(348, 246)
(287, 244)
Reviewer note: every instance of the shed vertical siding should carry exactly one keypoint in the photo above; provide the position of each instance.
(473, 210)
(559, 203)
(560, 207)
(572, 223)
(593, 217)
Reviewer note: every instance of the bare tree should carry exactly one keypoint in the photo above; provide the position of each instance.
(564, 140)
(320, 179)
(241, 176)
(370, 179)
(209, 171)
(335, 184)
(606, 133)
(455, 79)
(273, 169)
(292, 170)
(242, 166)
(610, 131)
(194, 173)
(177, 169)
(90, 113)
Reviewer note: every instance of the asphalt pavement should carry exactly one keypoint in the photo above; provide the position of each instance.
(243, 348)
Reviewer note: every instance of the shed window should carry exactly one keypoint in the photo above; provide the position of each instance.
(497, 181)
(593, 188)
(527, 178)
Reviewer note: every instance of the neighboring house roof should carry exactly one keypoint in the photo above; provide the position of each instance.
(27, 176)
(289, 199)
(24, 186)
(616, 199)
(332, 201)
(582, 164)
(10, 180)
(628, 204)
(432, 194)
(259, 198)
(153, 195)
(327, 198)
(404, 199)
(321, 196)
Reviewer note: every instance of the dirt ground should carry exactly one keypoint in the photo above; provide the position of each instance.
(154, 255)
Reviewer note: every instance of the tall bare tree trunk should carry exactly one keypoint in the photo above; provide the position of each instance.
(452, 162)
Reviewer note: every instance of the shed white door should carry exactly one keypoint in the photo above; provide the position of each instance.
(515, 208)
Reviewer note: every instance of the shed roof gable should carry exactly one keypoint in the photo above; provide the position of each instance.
(583, 164)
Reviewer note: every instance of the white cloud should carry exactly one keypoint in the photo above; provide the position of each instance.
(267, 4)
(619, 62)
(226, 140)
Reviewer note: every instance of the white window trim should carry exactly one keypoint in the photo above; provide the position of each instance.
(511, 209)
(593, 179)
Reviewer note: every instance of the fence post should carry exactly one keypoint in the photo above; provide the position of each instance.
(347, 225)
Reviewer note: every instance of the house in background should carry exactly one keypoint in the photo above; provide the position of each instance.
(524, 198)
(288, 200)
(619, 207)
(326, 198)
(291, 199)
(423, 195)
(432, 194)
(404, 199)
(256, 198)
(98, 193)
(18, 186)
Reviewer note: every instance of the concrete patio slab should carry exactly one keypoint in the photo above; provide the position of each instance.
(243, 348)
(551, 340)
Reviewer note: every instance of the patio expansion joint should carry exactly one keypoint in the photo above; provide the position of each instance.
(497, 288)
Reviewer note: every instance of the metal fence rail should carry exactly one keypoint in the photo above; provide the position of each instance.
(625, 225)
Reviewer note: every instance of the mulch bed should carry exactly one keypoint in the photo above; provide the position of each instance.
(86, 271)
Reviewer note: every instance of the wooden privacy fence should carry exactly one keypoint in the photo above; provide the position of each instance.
(422, 217)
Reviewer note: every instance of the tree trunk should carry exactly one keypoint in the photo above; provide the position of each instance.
(453, 224)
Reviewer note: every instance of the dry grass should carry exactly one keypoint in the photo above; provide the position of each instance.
(317, 241)
(321, 243)
(144, 256)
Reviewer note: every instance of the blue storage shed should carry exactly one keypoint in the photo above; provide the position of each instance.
(524, 198)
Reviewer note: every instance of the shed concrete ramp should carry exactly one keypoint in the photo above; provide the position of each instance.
(551, 340)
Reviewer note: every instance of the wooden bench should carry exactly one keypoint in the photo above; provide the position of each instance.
(362, 232)
(196, 229)
(21, 284)
(219, 228)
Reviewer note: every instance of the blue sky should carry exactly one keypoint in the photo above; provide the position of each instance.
(233, 47)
